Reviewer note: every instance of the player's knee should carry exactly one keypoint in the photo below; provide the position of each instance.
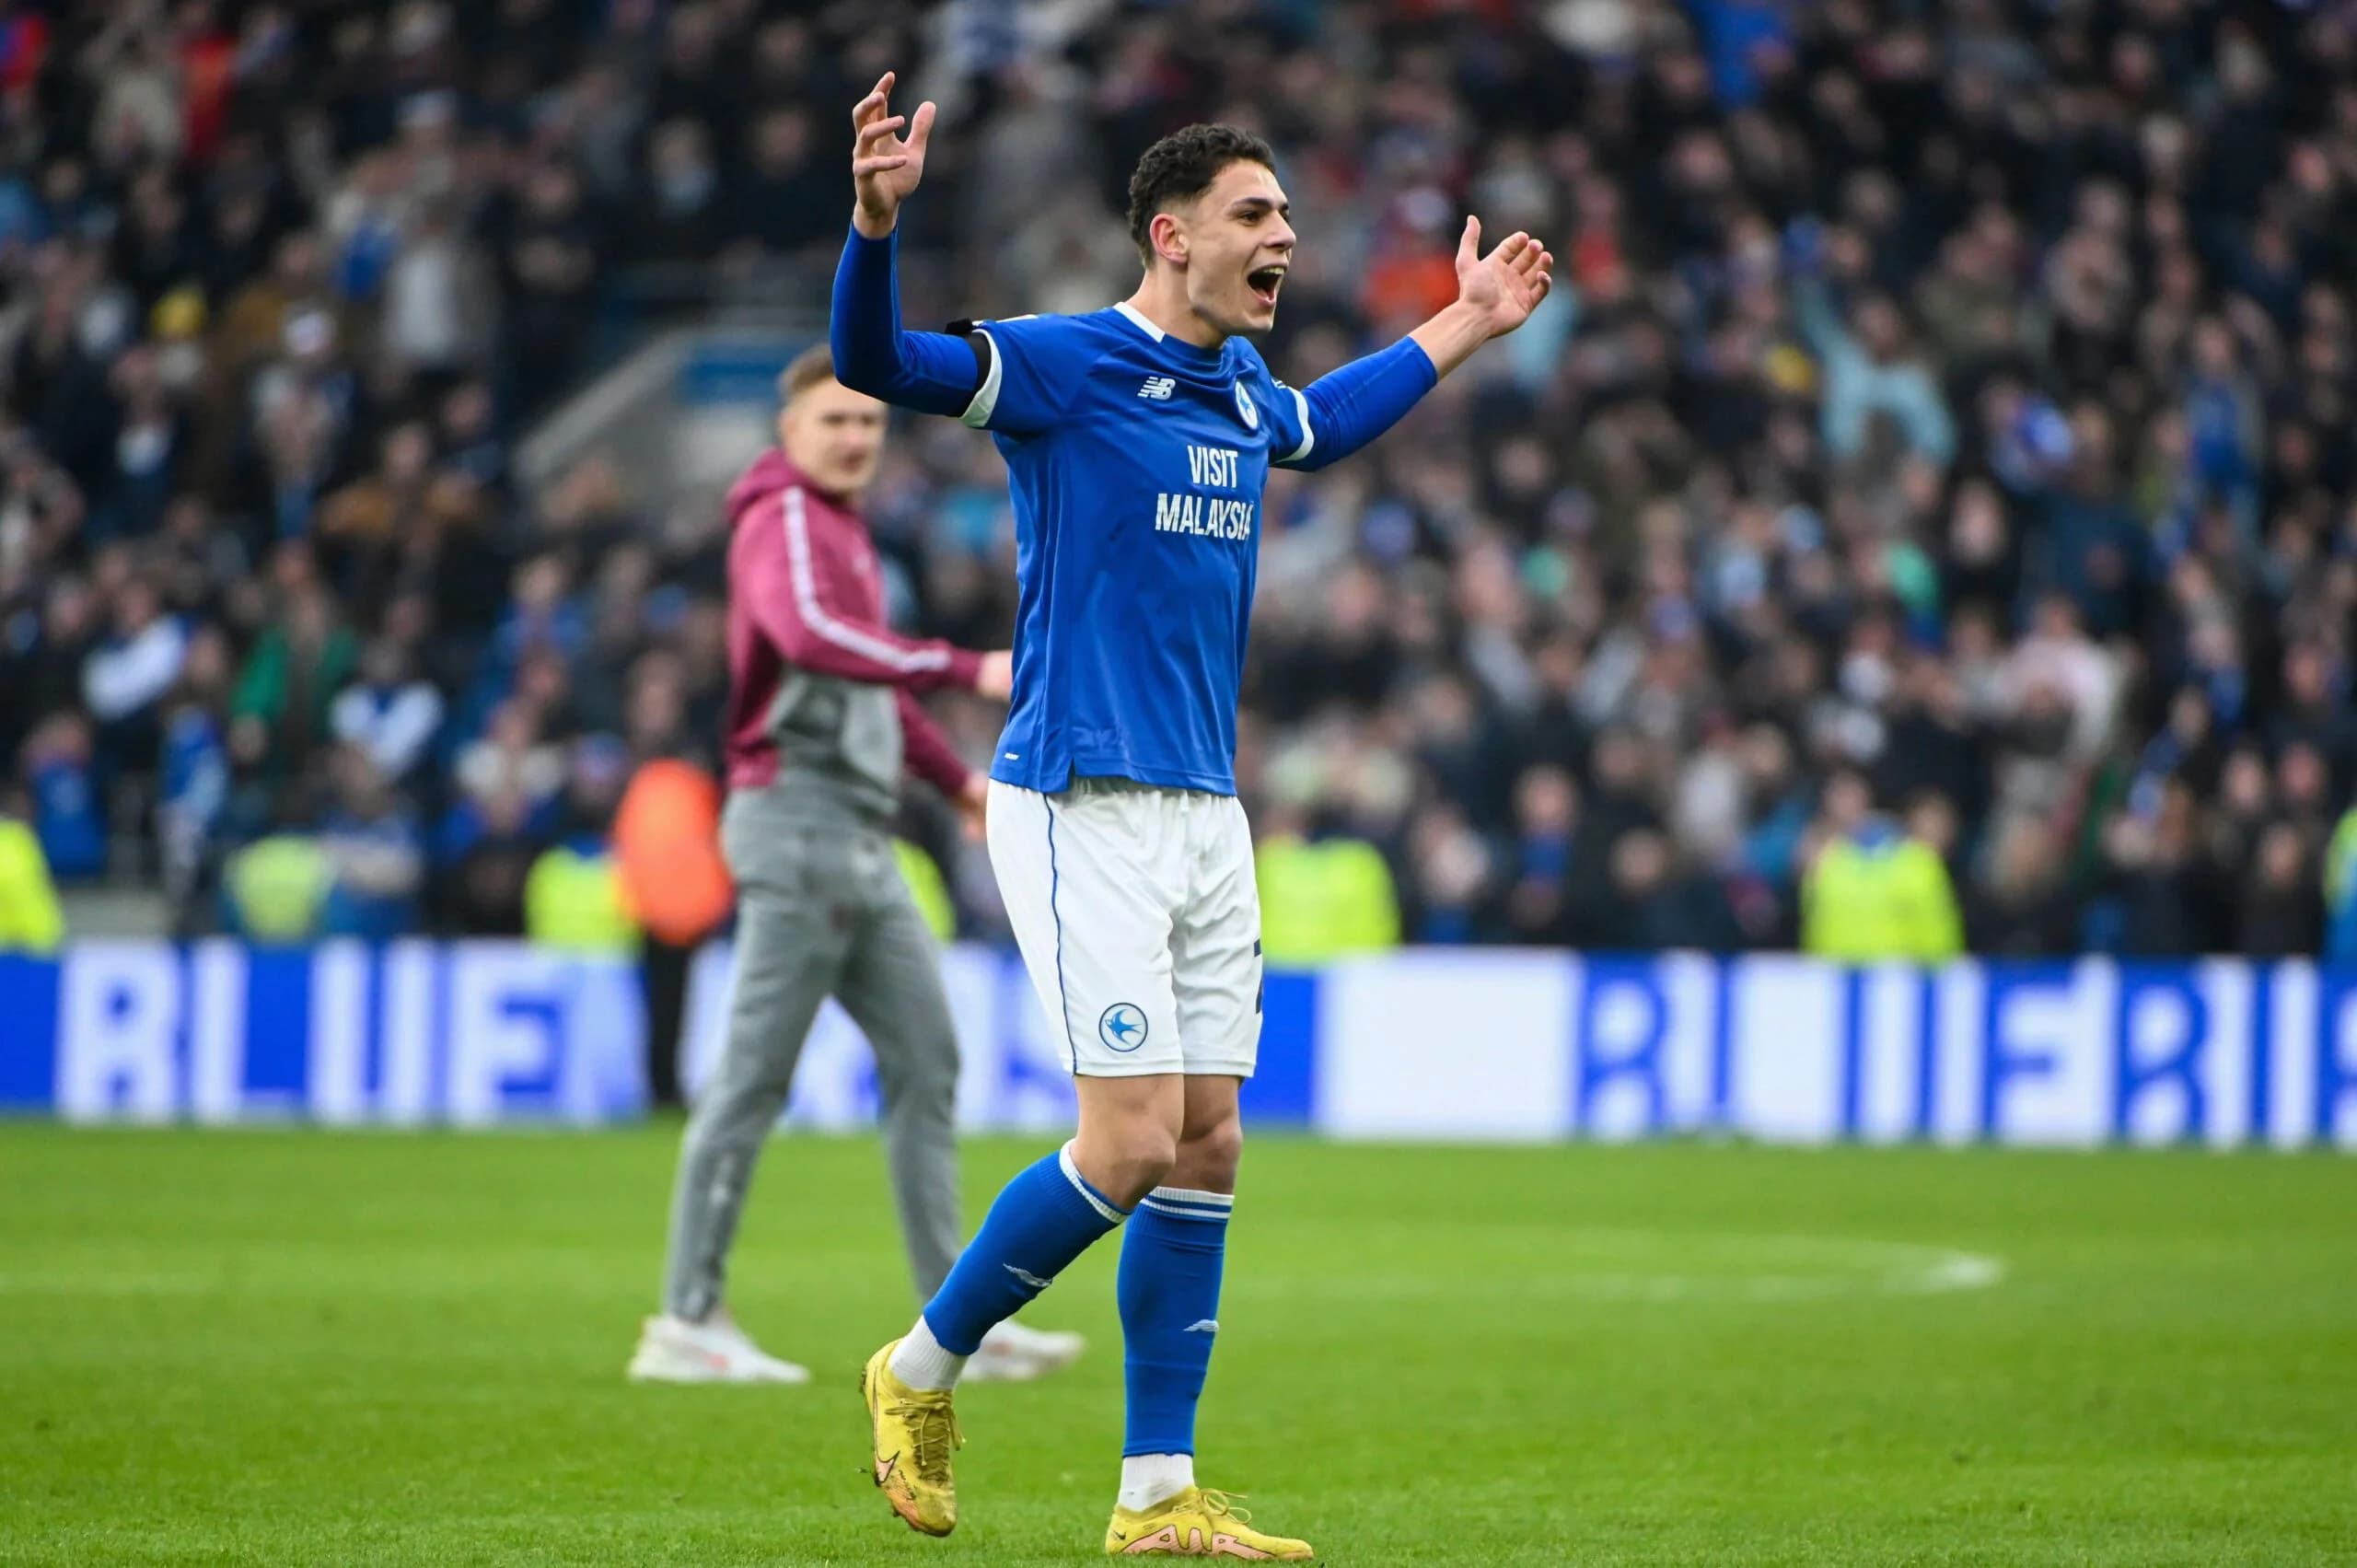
(1135, 1158)
(1208, 1156)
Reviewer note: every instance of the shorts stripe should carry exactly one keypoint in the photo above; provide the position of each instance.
(1062, 1000)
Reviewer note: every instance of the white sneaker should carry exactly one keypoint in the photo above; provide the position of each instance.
(672, 1350)
(1011, 1352)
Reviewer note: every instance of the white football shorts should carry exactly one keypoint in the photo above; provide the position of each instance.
(1138, 921)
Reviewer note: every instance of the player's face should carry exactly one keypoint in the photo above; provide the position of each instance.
(1238, 246)
(834, 434)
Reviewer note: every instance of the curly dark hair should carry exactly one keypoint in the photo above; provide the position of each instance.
(1182, 166)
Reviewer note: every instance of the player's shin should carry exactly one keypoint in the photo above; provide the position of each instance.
(1040, 1221)
(1168, 1287)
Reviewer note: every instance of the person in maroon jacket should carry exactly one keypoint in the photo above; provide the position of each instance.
(822, 719)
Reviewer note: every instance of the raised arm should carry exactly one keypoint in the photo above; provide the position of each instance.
(1349, 407)
(1496, 293)
(931, 372)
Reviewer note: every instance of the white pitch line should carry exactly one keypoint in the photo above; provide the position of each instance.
(1953, 1270)
(107, 1284)
(1848, 1266)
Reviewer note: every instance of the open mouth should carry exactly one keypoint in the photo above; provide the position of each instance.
(1264, 282)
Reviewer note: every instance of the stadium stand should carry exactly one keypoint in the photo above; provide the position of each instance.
(1947, 440)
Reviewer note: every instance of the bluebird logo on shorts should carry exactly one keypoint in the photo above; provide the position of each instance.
(1123, 1027)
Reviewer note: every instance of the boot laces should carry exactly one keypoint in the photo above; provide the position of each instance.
(933, 1426)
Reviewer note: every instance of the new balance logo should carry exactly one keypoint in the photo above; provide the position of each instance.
(1157, 389)
(1027, 1276)
(1203, 1326)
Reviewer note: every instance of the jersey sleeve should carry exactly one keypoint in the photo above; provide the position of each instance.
(1290, 437)
(1032, 366)
(795, 584)
(930, 372)
(1349, 406)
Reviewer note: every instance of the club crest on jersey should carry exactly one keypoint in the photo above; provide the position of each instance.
(1245, 406)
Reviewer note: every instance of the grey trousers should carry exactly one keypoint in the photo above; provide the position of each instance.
(822, 910)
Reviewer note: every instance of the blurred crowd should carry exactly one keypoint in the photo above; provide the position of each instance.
(279, 628)
(1923, 516)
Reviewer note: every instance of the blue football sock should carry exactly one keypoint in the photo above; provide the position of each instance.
(1168, 1287)
(1040, 1221)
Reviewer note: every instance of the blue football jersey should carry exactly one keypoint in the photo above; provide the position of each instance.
(1137, 462)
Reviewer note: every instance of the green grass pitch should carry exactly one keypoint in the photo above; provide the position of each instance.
(299, 1348)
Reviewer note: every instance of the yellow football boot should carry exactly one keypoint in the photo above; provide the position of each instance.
(915, 1432)
(1198, 1522)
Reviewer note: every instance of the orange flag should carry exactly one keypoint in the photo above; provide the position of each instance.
(666, 839)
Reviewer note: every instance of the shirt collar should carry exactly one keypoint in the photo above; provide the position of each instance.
(1178, 346)
(1137, 317)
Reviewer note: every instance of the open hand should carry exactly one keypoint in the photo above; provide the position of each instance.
(1505, 286)
(995, 677)
(973, 806)
(885, 167)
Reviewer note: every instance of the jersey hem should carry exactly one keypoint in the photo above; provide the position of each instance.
(1216, 1067)
(1113, 767)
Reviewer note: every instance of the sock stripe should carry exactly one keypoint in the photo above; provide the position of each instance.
(1207, 1216)
(1194, 1195)
(1185, 1210)
(1097, 1200)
